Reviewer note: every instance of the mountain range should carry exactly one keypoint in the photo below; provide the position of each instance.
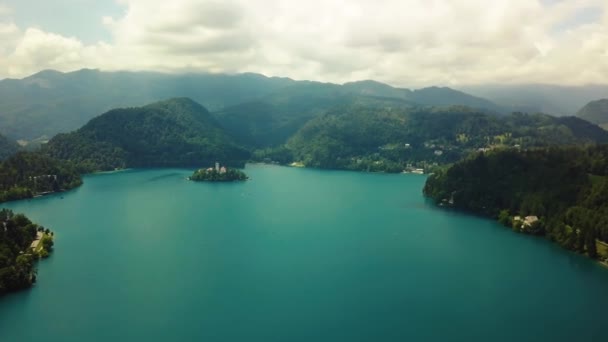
(52, 102)
(364, 125)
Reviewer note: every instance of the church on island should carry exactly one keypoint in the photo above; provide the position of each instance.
(218, 174)
(218, 169)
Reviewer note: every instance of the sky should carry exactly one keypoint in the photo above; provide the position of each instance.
(408, 43)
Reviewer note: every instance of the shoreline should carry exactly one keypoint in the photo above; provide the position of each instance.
(302, 166)
(110, 172)
(603, 262)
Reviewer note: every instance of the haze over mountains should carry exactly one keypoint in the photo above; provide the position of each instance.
(52, 102)
(545, 98)
(595, 112)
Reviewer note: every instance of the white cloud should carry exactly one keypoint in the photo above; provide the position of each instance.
(409, 43)
(36, 50)
(5, 10)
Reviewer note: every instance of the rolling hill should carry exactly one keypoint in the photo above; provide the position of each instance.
(595, 112)
(388, 138)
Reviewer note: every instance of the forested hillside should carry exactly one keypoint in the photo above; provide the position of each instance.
(177, 132)
(272, 120)
(385, 137)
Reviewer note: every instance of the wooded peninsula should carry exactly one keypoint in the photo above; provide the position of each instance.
(557, 192)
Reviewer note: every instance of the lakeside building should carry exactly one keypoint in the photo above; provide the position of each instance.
(525, 222)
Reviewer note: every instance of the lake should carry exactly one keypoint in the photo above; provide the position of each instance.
(292, 255)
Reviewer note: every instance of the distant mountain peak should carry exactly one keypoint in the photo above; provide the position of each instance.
(368, 82)
(183, 101)
(46, 73)
(184, 106)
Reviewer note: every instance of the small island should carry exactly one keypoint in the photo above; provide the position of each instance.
(22, 242)
(218, 174)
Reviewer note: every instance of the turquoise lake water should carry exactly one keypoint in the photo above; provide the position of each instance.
(292, 255)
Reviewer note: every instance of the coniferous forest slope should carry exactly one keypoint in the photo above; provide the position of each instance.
(566, 188)
(176, 132)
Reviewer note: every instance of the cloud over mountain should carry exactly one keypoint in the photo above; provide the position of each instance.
(413, 43)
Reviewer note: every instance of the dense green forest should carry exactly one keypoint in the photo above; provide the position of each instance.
(272, 120)
(376, 135)
(172, 133)
(566, 188)
(224, 175)
(17, 256)
(27, 174)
